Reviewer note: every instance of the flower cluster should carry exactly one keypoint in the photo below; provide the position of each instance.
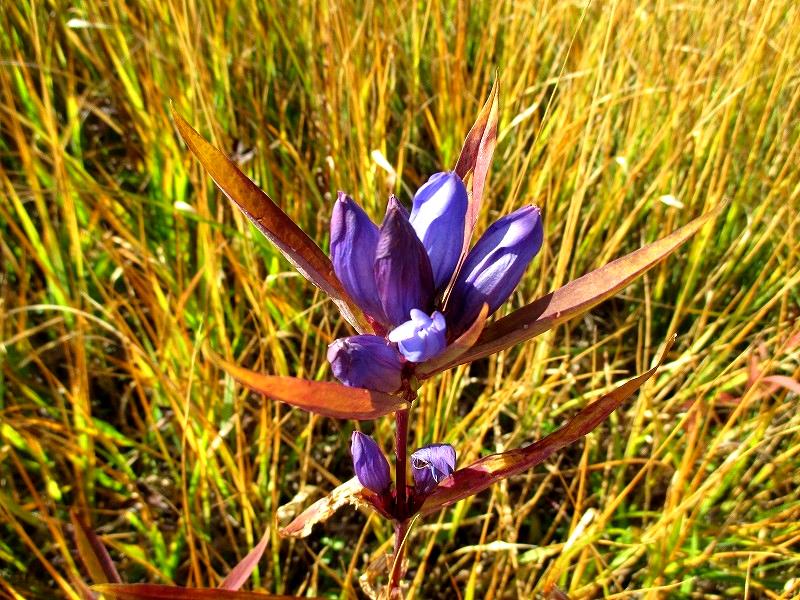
(406, 278)
(424, 298)
(409, 279)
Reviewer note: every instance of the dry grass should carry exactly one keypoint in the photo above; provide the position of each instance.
(120, 260)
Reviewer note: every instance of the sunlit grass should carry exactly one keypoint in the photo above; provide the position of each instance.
(623, 120)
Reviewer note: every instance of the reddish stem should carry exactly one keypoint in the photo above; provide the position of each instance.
(401, 523)
(401, 456)
(400, 530)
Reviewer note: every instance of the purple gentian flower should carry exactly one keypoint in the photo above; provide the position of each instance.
(494, 266)
(366, 361)
(403, 275)
(369, 463)
(398, 274)
(438, 213)
(354, 238)
(430, 464)
(422, 337)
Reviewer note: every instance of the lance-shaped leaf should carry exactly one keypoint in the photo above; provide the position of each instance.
(320, 397)
(476, 156)
(92, 552)
(577, 296)
(242, 571)
(154, 591)
(270, 220)
(481, 474)
(460, 345)
(323, 509)
(777, 381)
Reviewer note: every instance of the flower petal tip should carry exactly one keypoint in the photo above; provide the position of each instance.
(438, 215)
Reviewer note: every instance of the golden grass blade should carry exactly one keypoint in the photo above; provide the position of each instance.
(621, 123)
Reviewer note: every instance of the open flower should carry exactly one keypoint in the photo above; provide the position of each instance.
(430, 464)
(400, 273)
(422, 337)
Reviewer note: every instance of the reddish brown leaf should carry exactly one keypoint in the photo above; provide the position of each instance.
(319, 397)
(153, 591)
(481, 474)
(753, 371)
(793, 341)
(92, 552)
(723, 399)
(577, 296)
(323, 509)
(476, 155)
(242, 571)
(776, 381)
(553, 592)
(463, 343)
(270, 220)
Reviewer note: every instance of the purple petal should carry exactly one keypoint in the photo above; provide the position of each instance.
(494, 266)
(402, 270)
(438, 214)
(432, 463)
(422, 337)
(366, 361)
(354, 238)
(369, 463)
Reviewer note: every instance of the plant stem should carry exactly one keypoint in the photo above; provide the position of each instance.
(400, 530)
(401, 455)
(400, 525)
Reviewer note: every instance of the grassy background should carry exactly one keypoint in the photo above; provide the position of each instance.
(120, 259)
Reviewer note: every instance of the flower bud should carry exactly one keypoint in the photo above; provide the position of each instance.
(354, 238)
(430, 464)
(422, 337)
(437, 216)
(366, 361)
(369, 463)
(494, 266)
(402, 270)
